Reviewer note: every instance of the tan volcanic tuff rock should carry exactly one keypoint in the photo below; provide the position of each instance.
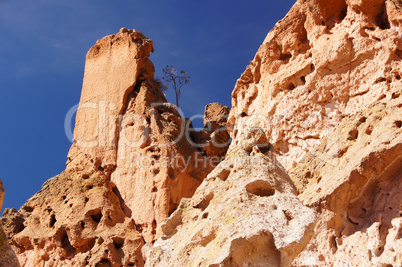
(126, 129)
(324, 62)
(77, 219)
(354, 178)
(156, 164)
(244, 213)
(129, 167)
(2, 192)
(214, 139)
(7, 255)
(112, 69)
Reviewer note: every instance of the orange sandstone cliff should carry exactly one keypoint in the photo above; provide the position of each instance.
(312, 176)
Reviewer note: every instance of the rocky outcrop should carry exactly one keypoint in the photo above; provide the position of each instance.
(126, 129)
(112, 68)
(77, 219)
(354, 178)
(321, 64)
(311, 178)
(2, 192)
(7, 254)
(214, 139)
(325, 86)
(244, 213)
(130, 165)
(322, 93)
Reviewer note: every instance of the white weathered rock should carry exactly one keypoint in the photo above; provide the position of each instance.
(244, 213)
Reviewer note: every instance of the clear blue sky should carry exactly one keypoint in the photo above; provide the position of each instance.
(42, 55)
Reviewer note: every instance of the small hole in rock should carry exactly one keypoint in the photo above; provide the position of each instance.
(224, 174)
(86, 200)
(27, 208)
(70, 250)
(291, 87)
(104, 263)
(398, 77)
(205, 215)
(363, 119)
(97, 217)
(288, 215)
(285, 57)
(342, 152)
(82, 224)
(369, 129)
(52, 220)
(307, 175)
(382, 97)
(85, 176)
(243, 114)
(118, 242)
(380, 80)
(395, 95)
(205, 202)
(398, 124)
(303, 79)
(260, 188)
(353, 134)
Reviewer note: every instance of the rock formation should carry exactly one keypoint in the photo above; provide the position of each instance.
(312, 176)
(129, 167)
(245, 213)
(321, 64)
(214, 139)
(7, 255)
(2, 192)
(323, 92)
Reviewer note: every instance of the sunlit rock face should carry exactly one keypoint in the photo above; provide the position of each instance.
(131, 163)
(325, 87)
(321, 64)
(311, 177)
(323, 95)
(245, 213)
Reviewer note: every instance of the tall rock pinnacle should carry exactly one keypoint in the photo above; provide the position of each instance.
(131, 163)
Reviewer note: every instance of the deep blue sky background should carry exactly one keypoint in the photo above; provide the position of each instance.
(42, 55)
